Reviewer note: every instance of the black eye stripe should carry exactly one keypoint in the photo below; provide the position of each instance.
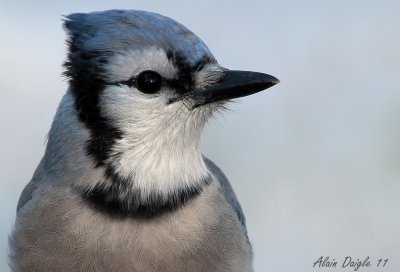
(148, 82)
(175, 84)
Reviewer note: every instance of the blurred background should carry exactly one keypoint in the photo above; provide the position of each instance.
(315, 160)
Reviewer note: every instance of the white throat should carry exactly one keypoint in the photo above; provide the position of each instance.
(159, 149)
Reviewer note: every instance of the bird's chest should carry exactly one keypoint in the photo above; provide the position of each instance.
(201, 234)
(204, 235)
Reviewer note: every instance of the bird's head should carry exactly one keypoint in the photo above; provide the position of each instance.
(144, 87)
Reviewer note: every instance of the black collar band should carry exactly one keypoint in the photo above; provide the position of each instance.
(115, 197)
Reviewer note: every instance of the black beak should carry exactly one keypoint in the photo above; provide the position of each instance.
(235, 84)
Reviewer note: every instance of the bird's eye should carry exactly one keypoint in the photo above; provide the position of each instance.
(148, 82)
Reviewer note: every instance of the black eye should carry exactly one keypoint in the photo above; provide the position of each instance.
(148, 82)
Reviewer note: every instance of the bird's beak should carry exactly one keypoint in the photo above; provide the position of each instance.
(234, 84)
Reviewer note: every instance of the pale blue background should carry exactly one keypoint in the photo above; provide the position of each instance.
(315, 160)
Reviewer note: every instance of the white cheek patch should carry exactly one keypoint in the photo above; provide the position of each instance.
(126, 106)
(123, 66)
(160, 147)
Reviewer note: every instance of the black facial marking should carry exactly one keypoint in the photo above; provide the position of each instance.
(117, 198)
(183, 84)
(185, 81)
(84, 72)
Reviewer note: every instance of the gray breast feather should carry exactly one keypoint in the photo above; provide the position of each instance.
(26, 194)
(230, 195)
(30, 188)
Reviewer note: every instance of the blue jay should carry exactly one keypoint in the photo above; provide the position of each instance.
(122, 185)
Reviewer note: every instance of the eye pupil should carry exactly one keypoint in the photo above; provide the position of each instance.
(148, 82)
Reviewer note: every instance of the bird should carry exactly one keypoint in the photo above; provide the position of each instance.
(123, 185)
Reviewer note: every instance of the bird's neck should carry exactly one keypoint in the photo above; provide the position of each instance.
(149, 168)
